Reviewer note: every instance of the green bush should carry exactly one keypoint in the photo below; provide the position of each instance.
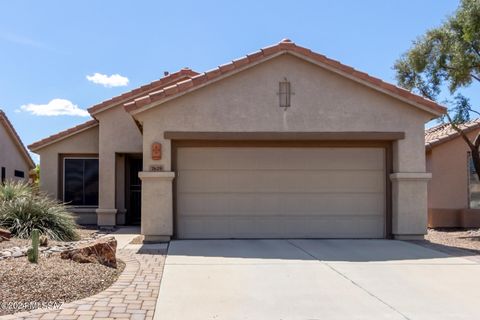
(23, 208)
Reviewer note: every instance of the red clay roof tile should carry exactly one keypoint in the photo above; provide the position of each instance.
(63, 134)
(444, 132)
(153, 86)
(287, 45)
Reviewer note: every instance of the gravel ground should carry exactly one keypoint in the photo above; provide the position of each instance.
(52, 280)
(16, 242)
(458, 238)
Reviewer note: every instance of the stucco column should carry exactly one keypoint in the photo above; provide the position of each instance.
(157, 205)
(106, 212)
(409, 204)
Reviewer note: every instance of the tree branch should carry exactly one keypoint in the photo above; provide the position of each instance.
(461, 133)
(474, 111)
(474, 49)
(475, 77)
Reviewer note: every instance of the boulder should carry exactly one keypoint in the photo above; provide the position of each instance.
(5, 233)
(99, 251)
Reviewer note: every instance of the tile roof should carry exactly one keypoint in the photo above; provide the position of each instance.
(284, 46)
(180, 75)
(63, 134)
(16, 138)
(444, 132)
(170, 79)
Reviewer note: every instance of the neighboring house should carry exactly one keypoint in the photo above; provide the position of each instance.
(15, 162)
(281, 143)
(454, 191)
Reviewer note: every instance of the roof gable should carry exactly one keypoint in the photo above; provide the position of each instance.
(284, 47)
(63, 135)
(16, 138)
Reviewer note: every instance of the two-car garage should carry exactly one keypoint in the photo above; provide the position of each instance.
(276, 191)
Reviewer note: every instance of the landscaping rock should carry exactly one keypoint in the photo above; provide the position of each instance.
(17, 254)
(101, 250)
(5, 233)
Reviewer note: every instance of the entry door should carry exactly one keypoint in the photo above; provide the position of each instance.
(133, 190)
(266, 192)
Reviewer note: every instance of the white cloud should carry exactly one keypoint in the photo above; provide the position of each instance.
(115, 80)
(56, 107)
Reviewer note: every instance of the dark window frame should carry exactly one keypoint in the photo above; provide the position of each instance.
(19, 174)
(63, 177)
(471, 174)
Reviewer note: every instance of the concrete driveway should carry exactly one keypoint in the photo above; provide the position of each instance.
(315, 279)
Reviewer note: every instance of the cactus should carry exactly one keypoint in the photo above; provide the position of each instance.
(32, 253)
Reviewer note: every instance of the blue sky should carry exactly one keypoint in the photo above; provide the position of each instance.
(48, 48)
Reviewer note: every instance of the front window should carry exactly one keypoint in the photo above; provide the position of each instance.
(473, 185)
(81, 181)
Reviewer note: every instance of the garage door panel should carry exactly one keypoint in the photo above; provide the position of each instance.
(291, 158)
(281, 181)
(277, 204)
(280, 192)
(254, 226)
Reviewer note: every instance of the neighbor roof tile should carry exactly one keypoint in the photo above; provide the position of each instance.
(444, 132)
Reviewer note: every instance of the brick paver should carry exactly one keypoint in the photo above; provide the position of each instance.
(132, 296)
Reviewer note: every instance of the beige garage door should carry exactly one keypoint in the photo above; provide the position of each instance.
(280, 192)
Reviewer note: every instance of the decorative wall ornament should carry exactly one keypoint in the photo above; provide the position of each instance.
(156, 151)
(284, 93)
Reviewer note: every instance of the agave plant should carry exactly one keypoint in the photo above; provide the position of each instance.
(23, 209)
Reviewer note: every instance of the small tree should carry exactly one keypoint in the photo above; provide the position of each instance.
(447, 58)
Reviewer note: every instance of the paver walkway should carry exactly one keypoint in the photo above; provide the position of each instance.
(132, 296)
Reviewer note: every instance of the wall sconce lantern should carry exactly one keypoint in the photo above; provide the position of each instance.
(284, 93)
(156, 151)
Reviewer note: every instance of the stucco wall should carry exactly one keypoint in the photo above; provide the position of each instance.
(118, 134)
(448, 188)
(10, 157)
(322, 101)
(85, 142)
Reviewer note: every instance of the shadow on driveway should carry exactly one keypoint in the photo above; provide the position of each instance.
(310, 249)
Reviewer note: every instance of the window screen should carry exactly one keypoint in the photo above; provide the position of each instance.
(81, 182)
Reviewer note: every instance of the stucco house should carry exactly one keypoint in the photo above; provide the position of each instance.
(15, 161)
(454, 190)
(281, 143)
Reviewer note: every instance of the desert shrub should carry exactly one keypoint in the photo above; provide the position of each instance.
(23, 208)
(12, 189)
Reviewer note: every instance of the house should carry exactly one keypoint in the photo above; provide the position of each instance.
(15, 161)
(454, 191)
(281, 143)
